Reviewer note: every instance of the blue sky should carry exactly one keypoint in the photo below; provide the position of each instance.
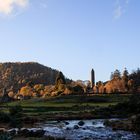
(73, 36)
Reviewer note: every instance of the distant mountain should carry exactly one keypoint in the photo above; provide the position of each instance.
(15, 75)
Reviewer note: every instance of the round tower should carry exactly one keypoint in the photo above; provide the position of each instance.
(92, 78)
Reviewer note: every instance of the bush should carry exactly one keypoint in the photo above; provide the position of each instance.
(5, 136)
(4, 117)
(137, 124)
(16, 110)
(78, 89)
(16, 113)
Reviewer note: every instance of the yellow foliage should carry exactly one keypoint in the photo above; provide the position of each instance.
(11, 94)
(26, 91)
(115, 86)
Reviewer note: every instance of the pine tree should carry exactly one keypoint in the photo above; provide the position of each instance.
(116, 74)
(60, 81)
(125, 79)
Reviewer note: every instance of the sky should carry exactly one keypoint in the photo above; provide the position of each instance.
(72, 36)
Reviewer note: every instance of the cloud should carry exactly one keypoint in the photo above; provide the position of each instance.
(118, 12)
(127, 1)
(43, 4)
(120, 8)
(7, 7)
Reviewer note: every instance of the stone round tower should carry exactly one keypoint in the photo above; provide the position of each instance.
(92, 78)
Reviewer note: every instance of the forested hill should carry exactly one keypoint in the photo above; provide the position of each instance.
(15, 75)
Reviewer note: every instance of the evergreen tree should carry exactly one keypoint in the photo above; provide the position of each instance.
(135, 76)
(125, 79)
(111, 76)
(116, 74)
(60, 79)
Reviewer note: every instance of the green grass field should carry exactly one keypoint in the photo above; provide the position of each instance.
(65, 105)
(70, 100)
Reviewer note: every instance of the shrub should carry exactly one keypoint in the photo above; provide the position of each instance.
(16, 113)
(137, 124)
(5, 136)
(4, 117)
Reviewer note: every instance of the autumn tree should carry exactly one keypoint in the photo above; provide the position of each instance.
(100, 86)
(26, 91)
(39, 90)
(131, 85)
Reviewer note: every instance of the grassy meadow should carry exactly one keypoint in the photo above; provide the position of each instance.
(69, 106)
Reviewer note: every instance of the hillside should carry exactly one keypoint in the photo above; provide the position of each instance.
(13, 76)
